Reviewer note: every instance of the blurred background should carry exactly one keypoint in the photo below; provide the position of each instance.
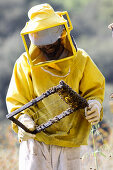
(90, 19)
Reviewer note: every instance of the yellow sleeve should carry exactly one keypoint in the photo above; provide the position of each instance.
(92, 84)
(20, 89)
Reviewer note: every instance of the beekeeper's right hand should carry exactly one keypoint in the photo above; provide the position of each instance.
(30, 124)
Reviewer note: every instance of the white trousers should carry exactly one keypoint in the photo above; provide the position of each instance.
(34, 155)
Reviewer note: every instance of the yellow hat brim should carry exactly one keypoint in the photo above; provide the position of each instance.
(34, 26)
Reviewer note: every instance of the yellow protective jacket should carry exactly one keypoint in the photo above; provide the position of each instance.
(28, 82)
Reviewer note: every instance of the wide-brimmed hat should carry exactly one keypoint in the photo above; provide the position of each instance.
(42, 17)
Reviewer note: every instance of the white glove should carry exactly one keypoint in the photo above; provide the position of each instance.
(92, 112)
(30, 124)
(110, 26)
(111, 103)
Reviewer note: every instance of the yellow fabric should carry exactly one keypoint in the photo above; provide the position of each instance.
(41, 17)
(29, 82)
(40, 12)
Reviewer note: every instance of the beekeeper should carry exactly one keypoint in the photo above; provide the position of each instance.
(51, 55)
(110, 26)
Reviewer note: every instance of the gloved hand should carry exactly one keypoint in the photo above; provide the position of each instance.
(111, 103)
(110, 26)
(92, 112)
(30, 124)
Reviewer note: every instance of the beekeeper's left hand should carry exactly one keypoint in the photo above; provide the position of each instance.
(92, 112)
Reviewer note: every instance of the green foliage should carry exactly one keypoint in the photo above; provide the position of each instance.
(106, 10)
(72, 5)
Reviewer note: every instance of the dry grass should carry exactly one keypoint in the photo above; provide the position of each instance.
(9, 153)
(8, 149)
(99, 159)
